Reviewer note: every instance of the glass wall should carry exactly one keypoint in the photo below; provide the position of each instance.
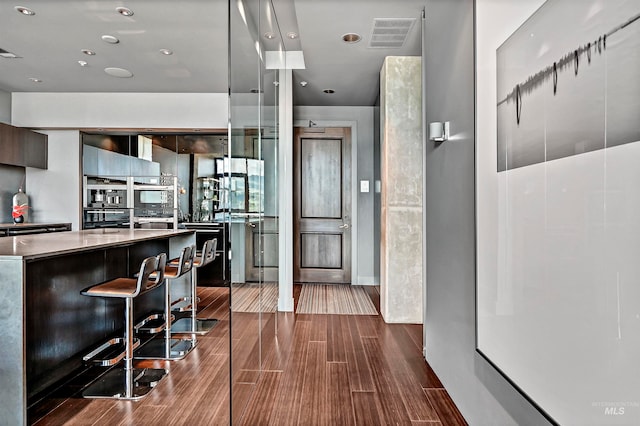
(256, 53)
(226, 178)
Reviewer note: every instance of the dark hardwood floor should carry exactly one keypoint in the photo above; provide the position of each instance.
(315, 370)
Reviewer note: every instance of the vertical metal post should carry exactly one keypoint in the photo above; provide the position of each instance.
(425, 140)
(167, 317)
(128, 337)
(194, 294)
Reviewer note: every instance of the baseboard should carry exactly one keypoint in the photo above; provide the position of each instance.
(285, 305)
(368, 281)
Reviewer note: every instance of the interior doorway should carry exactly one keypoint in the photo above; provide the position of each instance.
(322, 205)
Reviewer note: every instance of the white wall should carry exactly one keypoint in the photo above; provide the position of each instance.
(483, 396)
(10, 176)
(360, 119)
(120, 110)
(55, 194)
(5, 107)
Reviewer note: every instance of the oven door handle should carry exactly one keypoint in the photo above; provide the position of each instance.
(105, 211)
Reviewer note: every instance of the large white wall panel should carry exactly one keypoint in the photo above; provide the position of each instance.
(55, 193)
(558, 236)
(120, 110)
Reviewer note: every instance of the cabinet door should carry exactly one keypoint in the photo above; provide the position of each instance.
(35, 148)
(22, 147)
(10, 152)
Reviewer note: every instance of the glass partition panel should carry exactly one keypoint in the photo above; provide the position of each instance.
(252, 182)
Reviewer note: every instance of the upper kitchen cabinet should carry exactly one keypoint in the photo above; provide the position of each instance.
(22, 147)
(35, 148)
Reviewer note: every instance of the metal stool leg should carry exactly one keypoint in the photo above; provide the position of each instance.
(192, 324)
(166, 347)
(128, 383)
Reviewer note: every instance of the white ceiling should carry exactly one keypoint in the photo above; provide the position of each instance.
(50, 45)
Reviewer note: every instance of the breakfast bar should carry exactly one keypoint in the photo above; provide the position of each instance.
(46, 325)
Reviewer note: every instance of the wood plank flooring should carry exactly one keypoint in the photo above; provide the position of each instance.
(314, 370)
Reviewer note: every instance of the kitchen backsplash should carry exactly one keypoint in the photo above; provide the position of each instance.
(10, 179)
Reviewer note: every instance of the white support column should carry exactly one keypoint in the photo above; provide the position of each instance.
(285, 184)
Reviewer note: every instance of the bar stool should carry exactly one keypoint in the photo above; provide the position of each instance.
(128, 383)
(167, 347)
(192, 324)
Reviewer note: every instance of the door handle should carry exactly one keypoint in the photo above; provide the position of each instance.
(252, 225)
(344, 226)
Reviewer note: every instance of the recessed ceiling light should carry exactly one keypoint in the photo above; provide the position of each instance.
(35, 80)
(329, 91)
(124, 11)
(25, 10)
(118, 72)
(110, 39)
(166, 52)
(351, 38)
(88, 52)
(292, 35)
(269, 35)
(83, 63)
(7, 54)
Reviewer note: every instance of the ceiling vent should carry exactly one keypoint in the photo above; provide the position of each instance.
(390, 33)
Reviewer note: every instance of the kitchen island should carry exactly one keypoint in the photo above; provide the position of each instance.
(46, 325)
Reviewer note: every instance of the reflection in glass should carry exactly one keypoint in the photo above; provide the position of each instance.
(252, 190)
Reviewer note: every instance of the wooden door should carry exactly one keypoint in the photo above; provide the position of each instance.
(322, 205)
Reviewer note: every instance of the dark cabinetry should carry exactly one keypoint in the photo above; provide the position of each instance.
(35, 148)
(22, 147)
(10, 151)
(12, 230)
(218, 272)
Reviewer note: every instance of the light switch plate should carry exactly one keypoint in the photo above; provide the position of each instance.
(364, 186)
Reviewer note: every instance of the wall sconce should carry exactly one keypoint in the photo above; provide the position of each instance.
(439, 132)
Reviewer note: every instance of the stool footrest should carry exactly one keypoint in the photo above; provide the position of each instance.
(182, 305)
(109, 353)
(185, 325)
(152, 324)
(115, 384)
(163, 348)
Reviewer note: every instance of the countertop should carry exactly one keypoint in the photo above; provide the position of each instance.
(44, 245)
(30, 225)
